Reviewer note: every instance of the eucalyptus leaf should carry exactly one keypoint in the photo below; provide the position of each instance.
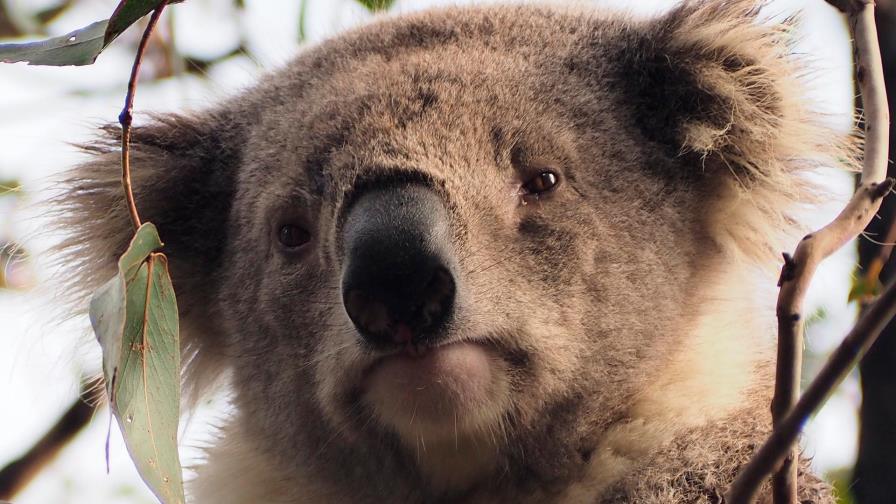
(80, 47)
(134, 316)
(107, 315)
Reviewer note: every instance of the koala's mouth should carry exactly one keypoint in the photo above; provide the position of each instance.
(429, 361)
(431, 390)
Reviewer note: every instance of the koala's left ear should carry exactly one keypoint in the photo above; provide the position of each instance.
(183, 169)
(713, 81)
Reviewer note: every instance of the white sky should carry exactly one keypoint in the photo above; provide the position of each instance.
(42, 110)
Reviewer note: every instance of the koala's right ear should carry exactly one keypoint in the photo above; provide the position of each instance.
(183, 172)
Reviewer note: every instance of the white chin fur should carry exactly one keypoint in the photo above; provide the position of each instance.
(457, 387)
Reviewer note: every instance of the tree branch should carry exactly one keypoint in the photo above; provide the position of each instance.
(799, 269)
(844, 358)
(18, 473)
(125, 118)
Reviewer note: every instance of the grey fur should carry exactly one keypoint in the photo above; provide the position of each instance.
(620, 311)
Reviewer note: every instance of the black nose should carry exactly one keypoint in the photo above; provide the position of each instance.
(397, 285)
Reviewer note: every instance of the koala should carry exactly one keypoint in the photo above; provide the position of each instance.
(482, 254)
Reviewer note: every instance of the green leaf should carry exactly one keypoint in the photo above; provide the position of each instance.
(80, 47)
(376, 5)
(134, 316)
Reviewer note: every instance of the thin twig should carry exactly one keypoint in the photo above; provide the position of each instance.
(125, 118)
(779, 451)
(18, 473)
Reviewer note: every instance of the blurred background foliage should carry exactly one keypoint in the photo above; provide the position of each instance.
(14, 265)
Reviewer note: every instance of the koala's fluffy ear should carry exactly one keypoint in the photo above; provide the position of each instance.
(183, 172)
(714, 79)
(719, 87)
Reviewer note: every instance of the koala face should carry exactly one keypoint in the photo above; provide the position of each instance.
(462, 247)
(440, 247)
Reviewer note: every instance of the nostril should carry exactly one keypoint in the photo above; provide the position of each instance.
(381, 316)
(438, 298)
(367, 313)
(397, 284)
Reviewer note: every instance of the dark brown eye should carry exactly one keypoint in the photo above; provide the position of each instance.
(541, 183)
(292, 236)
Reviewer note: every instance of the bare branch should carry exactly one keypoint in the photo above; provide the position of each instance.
(798, 271)
(844, 358)
(125, 118)
(18, 473)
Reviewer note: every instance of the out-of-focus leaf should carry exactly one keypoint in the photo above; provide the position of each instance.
(134, 316)
(200, 66)
(80, 47)
(47, 15)
(8, 27)
(303, 14)
(867, 286)
(863, 289)
(376, 5)
(840, 479)
(10, 187)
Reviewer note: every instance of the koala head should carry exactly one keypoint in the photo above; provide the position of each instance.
(466, 242)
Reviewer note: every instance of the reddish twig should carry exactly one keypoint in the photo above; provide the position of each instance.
(125, 118)
(779, 451)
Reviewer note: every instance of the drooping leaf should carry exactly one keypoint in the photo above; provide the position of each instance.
(80, 47)
(134, 316)
(376, 5)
